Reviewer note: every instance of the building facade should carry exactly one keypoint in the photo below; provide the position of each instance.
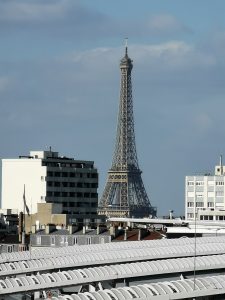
(205, 196)
(53, 237)
(50, 178)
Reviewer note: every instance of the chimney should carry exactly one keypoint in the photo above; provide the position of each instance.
(33, 229)
(49, 228)
(72, 228)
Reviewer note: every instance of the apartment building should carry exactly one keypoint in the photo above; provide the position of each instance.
(50, 178)
(205, 196)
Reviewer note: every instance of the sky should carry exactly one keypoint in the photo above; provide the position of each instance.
(59, 84)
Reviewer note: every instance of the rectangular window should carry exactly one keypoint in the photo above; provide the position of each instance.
(190, 215)
(190, 204)
(199, 204)
(219, 183)
(190, 194)
(210, 204)
(38, 240)
(199, 183)
(190, 183)
(52, 240)
(210, 183)
(219, 194)
(210, 194)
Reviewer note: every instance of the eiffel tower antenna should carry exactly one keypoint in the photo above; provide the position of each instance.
(124, 194)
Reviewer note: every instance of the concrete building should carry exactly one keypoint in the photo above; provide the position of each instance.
(50, 178)
(205, 196)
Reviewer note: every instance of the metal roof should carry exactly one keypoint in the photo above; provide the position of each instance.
(180, 289)
(112, 272)
(118, 246)
(112, 256)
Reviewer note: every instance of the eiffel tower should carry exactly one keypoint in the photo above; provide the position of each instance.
(124, 194)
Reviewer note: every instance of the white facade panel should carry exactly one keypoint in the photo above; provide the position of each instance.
(16, 173)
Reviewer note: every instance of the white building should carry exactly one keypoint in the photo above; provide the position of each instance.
(205, 195)
(49, 178)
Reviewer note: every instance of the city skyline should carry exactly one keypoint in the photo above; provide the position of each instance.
(59, 84)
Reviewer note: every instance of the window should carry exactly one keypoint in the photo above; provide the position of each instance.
(89, 241)
(72, 184)
(210, 204)
(211, 194)
(52, 240)
(190, 183)
(10, 249)
(94, 195)
(219, 194)
(64, 184)
(190, 204)
(210, 183)
(199, 183)
(219, 182)
(75, 240)
(38, 239)
(57, 183)
(199, 204)
(190, 215)
(57, 174)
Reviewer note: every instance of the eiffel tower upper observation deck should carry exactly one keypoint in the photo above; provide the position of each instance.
(124, 193)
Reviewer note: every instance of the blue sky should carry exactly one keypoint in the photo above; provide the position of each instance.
(59, 84)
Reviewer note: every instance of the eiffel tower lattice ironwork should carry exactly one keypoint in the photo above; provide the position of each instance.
(124, 193)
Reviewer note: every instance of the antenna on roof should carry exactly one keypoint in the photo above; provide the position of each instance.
(221, 164)
(126, 45)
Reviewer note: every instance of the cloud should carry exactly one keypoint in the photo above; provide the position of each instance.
(23, 11)
(165, 23)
